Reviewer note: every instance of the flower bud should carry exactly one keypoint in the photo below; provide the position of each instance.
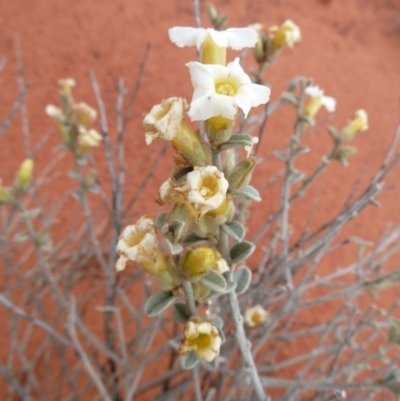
(286, 35)
(202, 337)
(199, 260)
(205, 189)
(5, 195)
(84, 113)
(223, 214)
(358, 123)
(241, 174)
(66, 85)
(24, 175)
(255, 316)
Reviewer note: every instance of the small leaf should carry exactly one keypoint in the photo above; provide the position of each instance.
(249, 192)
(76, 194)
(237, 141)
(161, 220)
(30, 214)
(158, 302)
(218, 321)
(302, 149)
(181, 312)
(234, 229)
(173, 248)
(214, 281)
(280, 155)
(94, 188)
(21, 237)
(334, 134)
(296, 176)
(230, 286)
(241, 251)
(289, 97)
(192, 238)
(190, 360)
(242, 277)
(210, 365)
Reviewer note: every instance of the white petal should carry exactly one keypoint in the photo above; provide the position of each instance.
(238, 38)
(219, 37)
(252, 95)
(329, 103)
(236, 72)
(201, 75)
(186, 36)
(314, 91)
(213, 105)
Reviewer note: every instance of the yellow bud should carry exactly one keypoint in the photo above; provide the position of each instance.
(24, 174)
(66, 85)
(312, 107)
(358, 123)
(224, 213)
(212, 53)
(219, 123)
(199, 260)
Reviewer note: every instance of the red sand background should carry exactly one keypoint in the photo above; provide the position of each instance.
(350, 47)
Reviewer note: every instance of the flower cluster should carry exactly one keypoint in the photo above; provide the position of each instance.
(73, 120)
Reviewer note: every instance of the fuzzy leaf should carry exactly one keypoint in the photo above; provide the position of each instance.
(193, 238)
(234, 229)
(302, 149)
(280, 155)
(237, 141)
(242, 277)
(218, 321)
(241, 251)
(210, 366)
(214, 281)
(296, 176)
(161, 220)
(181, 312)
(173, 248)
(289, 97)
(158, 302)
(190, 360)
(249, 192)
(230, 286)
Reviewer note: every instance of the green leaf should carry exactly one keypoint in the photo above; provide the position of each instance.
(289, 97)
(173, 248)
(214, 281)
(242, 277)
(190, 360)
(236, 141)
(234, 229)
(161, 220)
(193, 238)
(230, 286)
(296, 176)
(158, 302)
(249, 192)
(181, 312)
(210, 365)
(241, 251)
(218, 321)
(302, 149)
(280, 155)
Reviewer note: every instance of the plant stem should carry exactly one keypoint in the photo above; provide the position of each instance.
(187, 287)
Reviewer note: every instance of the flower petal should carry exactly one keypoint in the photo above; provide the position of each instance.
(238, 38)
(252, 95)
(187, 36)
(213, 105)
(329, 103)
(236, 72)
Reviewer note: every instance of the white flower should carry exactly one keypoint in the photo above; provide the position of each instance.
(316, 93)
(203, 338)
(220, 90)
(84, 113)
(88, 138)
(205, 188)
(164, 119)
(138, 242)
(255, 315)
(54, 112)
(235, 38)
(66, 85)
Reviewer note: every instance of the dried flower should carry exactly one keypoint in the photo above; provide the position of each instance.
(255, 316)
(84, 113)
(202, 337)
(88, 138)
(205, 188)
(220, 90)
